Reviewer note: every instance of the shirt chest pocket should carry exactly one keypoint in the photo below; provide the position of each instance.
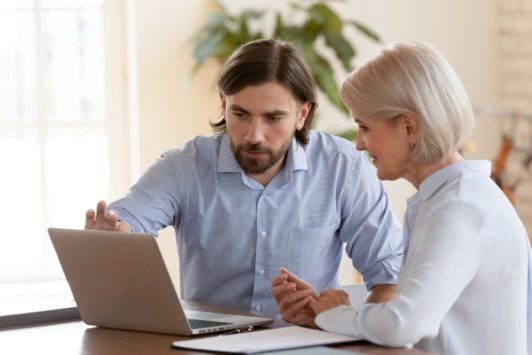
(312, 251)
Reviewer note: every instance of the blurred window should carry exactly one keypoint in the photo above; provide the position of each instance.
(54, 127)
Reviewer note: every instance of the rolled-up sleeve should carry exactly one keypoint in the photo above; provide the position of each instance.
(152, 203)
(372, 234)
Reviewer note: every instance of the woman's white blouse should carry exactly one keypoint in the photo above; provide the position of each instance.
(464, 285)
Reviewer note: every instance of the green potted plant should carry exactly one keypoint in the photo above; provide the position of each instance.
(316, 22)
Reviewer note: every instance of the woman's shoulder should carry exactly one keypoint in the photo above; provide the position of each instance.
(476, 190)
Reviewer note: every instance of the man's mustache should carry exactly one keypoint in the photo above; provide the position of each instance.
(255, 148)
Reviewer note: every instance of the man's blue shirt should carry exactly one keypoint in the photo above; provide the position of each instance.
(233, 234)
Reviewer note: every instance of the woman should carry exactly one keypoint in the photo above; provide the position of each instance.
(463, 286)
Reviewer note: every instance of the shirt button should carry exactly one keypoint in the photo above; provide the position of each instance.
(257, 307)
(261, 271)
(263, 234)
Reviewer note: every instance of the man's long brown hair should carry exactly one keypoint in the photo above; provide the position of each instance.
(264, 61)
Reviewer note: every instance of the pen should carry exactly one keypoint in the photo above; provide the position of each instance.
(238, 331)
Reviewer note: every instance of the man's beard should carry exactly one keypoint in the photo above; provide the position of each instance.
(258, 166)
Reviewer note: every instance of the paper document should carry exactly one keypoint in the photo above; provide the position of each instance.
(315, 350)
(264, 340)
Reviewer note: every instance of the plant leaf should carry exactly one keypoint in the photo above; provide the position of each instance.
(325, 17)
(341, 46)
(252, 14)
(349, 134)
(324, 76)
(208, 47)
(278, 28)
(365, 30)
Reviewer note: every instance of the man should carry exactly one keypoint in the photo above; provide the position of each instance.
(263, 193)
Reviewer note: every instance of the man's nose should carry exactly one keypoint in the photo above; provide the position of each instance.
(255, 133)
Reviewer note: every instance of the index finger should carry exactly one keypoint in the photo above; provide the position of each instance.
(300, 284)
(101, 207)
(279, 279)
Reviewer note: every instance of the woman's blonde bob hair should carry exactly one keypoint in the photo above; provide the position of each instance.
(414, 78)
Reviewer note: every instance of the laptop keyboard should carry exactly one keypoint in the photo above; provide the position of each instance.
(200, 323)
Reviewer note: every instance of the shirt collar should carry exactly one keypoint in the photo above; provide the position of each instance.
(226, 160)
(432, 183)
(296, 160)
(297, 157)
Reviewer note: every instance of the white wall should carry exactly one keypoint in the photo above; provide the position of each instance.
(169, 113)
(464, 31)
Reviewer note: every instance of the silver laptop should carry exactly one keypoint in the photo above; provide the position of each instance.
(119, 280)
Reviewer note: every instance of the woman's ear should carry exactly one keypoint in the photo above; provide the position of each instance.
(411, 125)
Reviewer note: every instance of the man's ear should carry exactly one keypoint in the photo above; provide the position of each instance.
(222, 100)
(304, 110)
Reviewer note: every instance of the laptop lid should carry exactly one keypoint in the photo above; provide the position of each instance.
(119, 280)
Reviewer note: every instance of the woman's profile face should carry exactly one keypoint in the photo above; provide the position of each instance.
(387, 145)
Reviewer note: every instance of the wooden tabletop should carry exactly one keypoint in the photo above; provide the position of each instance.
(76, 337)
